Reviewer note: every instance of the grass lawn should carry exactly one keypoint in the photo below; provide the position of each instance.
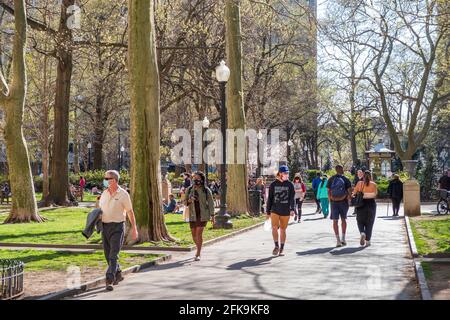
(87, 197)
(431, 234)
(64, 226)
(39, 260)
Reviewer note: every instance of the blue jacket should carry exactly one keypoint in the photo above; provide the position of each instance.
(93, 220)
(315, 183)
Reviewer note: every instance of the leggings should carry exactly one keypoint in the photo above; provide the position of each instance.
(299, 207)
(365, 216)
(396, 205)
(325, 204)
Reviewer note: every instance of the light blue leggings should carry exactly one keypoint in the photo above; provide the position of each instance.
(325, 204)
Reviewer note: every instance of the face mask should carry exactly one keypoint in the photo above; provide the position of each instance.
(106, 183)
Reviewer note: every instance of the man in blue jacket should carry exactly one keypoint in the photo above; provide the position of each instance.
(315, 186)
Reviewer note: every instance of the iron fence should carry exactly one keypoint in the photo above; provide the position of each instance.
(11, 285)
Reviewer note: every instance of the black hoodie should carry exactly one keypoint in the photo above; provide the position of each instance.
(281, 198)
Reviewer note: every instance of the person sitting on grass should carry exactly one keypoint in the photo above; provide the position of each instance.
(171, 207)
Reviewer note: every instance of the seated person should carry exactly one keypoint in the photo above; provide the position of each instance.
(170, 208)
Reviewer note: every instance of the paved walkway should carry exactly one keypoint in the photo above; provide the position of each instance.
(243, 268)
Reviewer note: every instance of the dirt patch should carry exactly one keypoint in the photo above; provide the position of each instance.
(40, 283)
(439, 281)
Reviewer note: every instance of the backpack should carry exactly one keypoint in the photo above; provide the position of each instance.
(337, 187)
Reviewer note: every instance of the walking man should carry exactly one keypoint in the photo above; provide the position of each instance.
(115, 204)
(339, 192)
(315, 186)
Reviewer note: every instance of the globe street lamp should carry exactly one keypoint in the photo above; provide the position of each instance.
(122, 150)
(223, 220)
(205, 124)
(258, 162)
(89, 155)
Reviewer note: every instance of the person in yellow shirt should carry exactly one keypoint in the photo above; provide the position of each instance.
(115, 203)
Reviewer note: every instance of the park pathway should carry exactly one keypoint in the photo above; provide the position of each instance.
(243, 268)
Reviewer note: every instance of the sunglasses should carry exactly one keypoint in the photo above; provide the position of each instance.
(108, 178)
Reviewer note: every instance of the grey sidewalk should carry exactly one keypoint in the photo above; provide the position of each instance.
(243, 268)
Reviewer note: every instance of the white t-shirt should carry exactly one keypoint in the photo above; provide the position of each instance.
(115, 206)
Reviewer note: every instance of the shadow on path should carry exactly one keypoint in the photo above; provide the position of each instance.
(346, 251)
(250, 263)
(315, 251)
(321, 218)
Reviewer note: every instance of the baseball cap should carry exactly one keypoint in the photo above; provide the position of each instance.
(283, 169)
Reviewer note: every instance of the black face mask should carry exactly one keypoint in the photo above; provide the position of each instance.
(198, 182)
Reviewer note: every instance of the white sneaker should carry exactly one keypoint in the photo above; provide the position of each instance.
(367, 243)
(362, 241)
(338, 244)
(197, 258)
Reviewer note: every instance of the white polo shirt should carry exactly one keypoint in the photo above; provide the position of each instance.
(115, 206)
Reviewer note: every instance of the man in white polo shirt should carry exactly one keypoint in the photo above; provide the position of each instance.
(115, 203)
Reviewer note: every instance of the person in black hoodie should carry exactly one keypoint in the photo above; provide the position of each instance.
(395, 192)
(280, 207)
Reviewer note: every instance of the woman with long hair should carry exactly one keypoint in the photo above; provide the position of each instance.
(201, 209)
(300, 192)
(365, 214)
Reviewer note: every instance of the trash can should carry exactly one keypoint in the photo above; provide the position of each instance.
(255, 202)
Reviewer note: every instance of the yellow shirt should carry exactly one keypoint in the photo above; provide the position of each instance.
(115, 206)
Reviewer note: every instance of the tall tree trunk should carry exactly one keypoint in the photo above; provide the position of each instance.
(76, 156)
(145, 122)
(237, 194)
(99, 132)
(45, 134)
(59, 166)
(24, 208)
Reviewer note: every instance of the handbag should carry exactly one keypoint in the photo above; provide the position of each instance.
(358, 200)
(186, 214)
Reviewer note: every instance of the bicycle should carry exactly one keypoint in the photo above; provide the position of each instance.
(443, 203)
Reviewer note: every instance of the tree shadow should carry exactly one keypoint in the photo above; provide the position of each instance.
(20, 235)
(315, 251)
(249, 263)
(346, 251)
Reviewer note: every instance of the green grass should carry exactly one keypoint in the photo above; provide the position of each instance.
(431, 235)
(87, 197)
(38, 260)
(426, 269)
(64, 226)
(182, 232)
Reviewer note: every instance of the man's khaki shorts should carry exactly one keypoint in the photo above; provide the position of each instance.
(281, 221)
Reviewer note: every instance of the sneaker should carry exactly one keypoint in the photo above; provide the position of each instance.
(197, 258)
(338, 244)
(119, 278)
(299, 221)
(295, 218)
(343, 242)
(276, 251)
(109, 286)
(281, 253)
(362, 241)
(367, 243)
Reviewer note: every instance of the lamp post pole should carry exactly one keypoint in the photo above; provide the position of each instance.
(89, 156)
(205, 127)
(223, 220)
